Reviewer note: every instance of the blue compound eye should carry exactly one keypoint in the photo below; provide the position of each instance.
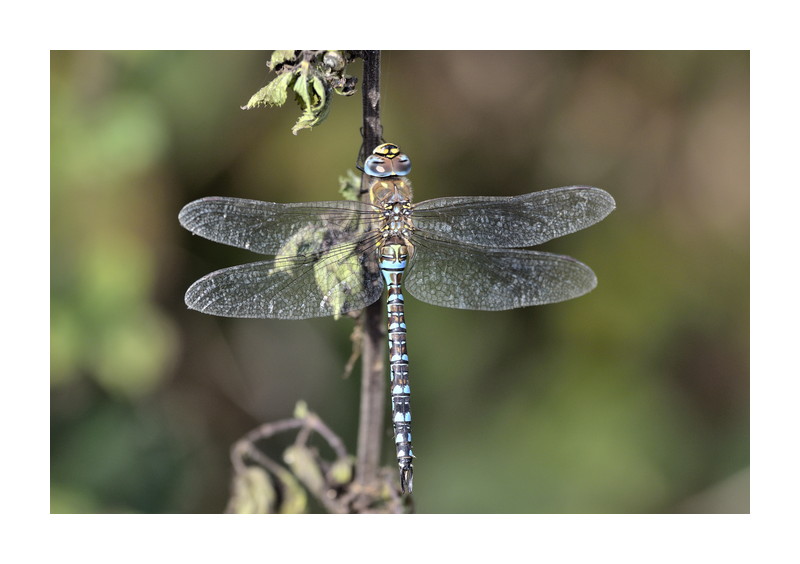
(376, 165)
(401, 164)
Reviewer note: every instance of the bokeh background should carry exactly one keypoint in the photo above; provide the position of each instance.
(634, 398)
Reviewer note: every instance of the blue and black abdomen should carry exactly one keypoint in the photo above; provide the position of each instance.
(394, 256)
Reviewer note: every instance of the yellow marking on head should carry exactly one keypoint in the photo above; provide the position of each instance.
(389, 150)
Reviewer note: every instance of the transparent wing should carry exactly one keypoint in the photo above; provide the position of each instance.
(518, 221)
(265, 227)
(341, 279)
(463, 276)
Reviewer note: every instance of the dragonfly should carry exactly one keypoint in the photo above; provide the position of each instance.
(331, 258)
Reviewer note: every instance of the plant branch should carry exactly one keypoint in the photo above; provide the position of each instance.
(373, 385)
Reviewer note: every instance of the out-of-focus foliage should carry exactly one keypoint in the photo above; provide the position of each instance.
(252, 492)
(633, 398)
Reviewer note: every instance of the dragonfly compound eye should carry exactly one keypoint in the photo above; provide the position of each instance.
(401, 164)
(376, 165)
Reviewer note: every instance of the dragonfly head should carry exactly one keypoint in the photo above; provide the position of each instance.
(387, 160)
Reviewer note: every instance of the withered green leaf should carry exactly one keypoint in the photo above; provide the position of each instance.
(273, 94)
(313, 97)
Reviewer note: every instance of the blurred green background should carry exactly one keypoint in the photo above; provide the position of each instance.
(634, 398)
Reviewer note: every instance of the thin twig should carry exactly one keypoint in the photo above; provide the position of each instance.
(246, 450)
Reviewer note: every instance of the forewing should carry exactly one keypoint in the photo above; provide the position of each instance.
(518, 221)
(464, 276)
(265, 227)
(344, 278)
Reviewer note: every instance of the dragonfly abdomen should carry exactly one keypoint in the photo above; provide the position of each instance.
(393, 260)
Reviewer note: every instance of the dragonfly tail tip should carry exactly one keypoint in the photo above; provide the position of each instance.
(406, 479)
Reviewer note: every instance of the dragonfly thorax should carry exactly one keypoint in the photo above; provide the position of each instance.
(389, 190)
(396, 218)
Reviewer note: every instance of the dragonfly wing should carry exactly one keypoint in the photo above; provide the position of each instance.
(342, 279)
(518, 221)
(266, 227)
(464, 276)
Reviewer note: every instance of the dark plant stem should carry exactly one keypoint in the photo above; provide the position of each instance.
(373, 384)
(373, 130)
